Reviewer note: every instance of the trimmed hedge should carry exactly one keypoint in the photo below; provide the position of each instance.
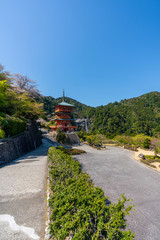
(78, 209)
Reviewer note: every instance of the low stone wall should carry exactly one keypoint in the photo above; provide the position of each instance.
(20, 145)
(73, 138)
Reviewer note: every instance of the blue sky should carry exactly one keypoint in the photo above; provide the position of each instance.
(98, 51)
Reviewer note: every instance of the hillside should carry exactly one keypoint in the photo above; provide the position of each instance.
(132, 116)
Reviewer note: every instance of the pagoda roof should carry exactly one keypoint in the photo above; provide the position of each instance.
(65, 104)
(64, 119)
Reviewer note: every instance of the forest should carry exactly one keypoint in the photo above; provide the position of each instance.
(134, 116)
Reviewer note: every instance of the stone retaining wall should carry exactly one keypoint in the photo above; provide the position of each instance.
(73, 138)
(20, 145)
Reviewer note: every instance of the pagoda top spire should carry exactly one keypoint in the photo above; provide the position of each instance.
(63, 95)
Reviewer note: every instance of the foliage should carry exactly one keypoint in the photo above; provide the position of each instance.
(95, 140)
(2, 133)
(20, 105)
(4, 75)
(16, 108)
(3, 121)
(22, 84)
(134, 142)
(156, 145)
(47, 124)
(122, 139)
(3, 93)
(79, 209)
(134, 116)
(150, 159)
(61, 137)
(82, 135)
(155, 158)
(146, 143)
(14, 126)
(131, 117)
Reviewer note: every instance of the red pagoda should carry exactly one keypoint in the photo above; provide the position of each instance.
(63, 118)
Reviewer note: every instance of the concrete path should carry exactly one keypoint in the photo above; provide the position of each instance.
(23, 196)
(116, 172)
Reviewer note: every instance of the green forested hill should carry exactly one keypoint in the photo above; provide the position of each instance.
(130, 117)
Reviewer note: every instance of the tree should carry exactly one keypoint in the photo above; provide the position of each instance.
(23, 84)
(21, 105)
(3, 92)
(4, 75)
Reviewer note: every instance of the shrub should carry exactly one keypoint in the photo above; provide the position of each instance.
(82, 135)
(78, 209)
(2, 133)
(146, 143)
(123, 139)
(3, 122)
(14, 126)
(61, 137)
(139, 139)
(95, 140)
(149, 157)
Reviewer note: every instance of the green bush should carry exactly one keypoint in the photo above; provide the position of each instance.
(61, 137)
(14, 126)
(123, 139)
(149, 157)
(79, 209)
(146, 143)
(139, 139)
(95, 140)
(3, 122)
(2, 133)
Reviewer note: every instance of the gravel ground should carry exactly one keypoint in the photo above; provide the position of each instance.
(23, 196)
(116, 171)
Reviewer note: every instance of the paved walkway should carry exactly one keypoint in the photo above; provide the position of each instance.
(23, 196)
(116, 172)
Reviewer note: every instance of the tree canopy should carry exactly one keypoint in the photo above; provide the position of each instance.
(16, 107)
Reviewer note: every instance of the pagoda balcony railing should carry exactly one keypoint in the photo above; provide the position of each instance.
(66, 117)
(63, 110)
